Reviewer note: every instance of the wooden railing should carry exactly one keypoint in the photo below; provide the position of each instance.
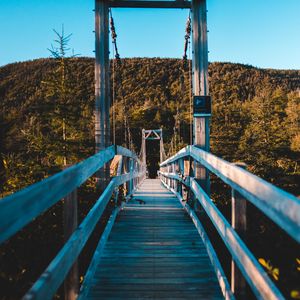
(280, 206)
(21, 208)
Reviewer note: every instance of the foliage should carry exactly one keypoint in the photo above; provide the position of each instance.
(255, 113)
(274, 272)
(256, 119)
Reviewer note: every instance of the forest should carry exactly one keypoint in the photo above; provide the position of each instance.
(255, 119)
(255, 115)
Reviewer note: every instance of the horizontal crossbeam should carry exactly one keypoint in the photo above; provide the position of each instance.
(149, 4)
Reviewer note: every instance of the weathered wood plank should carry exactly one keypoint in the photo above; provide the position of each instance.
(281, 207)
(50, 280)
(102, 87)
(239, 224)
(223, 282)
(149, 4)
(261, 284)
(19, 209)
(145, 260)
(70, 213)
(98, 252)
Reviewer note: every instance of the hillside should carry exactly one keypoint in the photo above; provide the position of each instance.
(255, 115)
(256, 119)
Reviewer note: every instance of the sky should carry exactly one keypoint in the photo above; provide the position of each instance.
(262, 33)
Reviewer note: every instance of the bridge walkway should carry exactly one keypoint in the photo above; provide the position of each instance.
(154, 252)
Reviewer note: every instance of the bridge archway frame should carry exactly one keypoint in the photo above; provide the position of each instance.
(201, 123)
(153, 134)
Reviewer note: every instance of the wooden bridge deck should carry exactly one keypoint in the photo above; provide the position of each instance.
(154, 252)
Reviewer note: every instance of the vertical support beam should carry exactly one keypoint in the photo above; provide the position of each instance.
(181, 170)
(239, 223)
(161, 159)
(102, 97)
(161, 147)
(131, 167)
(71, 283)
(119, 172)
(144, 159)
(200, 84)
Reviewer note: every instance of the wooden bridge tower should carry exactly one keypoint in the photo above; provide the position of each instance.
(102, 86)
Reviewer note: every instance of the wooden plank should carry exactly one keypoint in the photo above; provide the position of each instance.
(71, 282)
(150, 294)
(19, 209)
(98, 252)
(50, 280)
(184, 152)
(259, 281)
(281, 207)
(239, 224)
(201, 136)
(119, 172)
(100, 247)
(142, 259)
(126, 152)
(46, 286)
(149, 4)
(207, 286)
(102, 90)
(223, 282)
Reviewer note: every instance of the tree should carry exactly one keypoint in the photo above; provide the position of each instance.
(52, 134)
(59, 87)
(264, 145)
(293, 120)
(2, 162)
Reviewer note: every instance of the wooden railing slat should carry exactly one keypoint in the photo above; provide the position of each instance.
(280, 206)
(19, 209)
(46, 286)
(223, 282)
(257, 278)
(261, 284)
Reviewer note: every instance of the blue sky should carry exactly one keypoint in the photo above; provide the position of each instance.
(263, 33)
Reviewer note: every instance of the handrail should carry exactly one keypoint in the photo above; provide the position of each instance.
(46, 286)
(280, 206)
(223, 282)
(20, 208)
(257, 278)
(119, 150)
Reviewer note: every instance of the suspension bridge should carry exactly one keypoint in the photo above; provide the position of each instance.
(154, 245)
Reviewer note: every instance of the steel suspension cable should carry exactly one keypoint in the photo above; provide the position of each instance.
(127, 131)
(191, 95)
(187, 63)
(113, 99)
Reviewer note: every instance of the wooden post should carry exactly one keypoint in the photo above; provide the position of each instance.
(119, 172)
(127, 170)
(71, 284)
(161, 147)
(131, 167)
(181, 170)
(200, 85)
(239, 223)
(102, 97)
